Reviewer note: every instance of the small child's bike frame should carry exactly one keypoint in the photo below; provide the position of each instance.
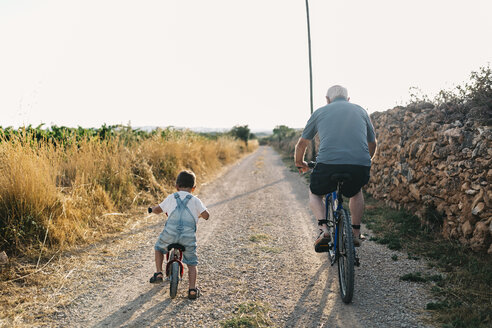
(174, 267)
(341, 246)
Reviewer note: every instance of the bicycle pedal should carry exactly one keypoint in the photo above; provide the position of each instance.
(322, 248)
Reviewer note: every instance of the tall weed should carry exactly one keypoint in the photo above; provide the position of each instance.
(28, 194)
(56, 193)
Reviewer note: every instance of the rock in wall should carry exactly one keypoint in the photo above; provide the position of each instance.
(440, 159)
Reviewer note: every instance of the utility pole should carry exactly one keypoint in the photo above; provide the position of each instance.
(310, 61)
(313, 151)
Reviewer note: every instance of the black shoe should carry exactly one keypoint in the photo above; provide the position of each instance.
(193, 293)
(322, 244)
(358, 240)
(157, 277)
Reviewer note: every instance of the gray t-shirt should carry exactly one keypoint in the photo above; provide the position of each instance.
(344, 130)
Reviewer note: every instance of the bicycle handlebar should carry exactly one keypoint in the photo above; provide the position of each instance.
(310, 164)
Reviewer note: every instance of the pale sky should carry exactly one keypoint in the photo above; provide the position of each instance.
(218, 63)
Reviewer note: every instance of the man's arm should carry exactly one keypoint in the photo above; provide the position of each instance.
(372, 148)
(299, 155)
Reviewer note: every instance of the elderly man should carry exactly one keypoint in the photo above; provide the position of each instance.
(347, 145)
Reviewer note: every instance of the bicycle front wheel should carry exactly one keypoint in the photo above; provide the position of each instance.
(345, 256)
(174, 279)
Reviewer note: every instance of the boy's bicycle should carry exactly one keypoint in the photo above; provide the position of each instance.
(341, 247)
(174, 267)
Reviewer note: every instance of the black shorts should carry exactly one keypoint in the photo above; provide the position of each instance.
(321, 183)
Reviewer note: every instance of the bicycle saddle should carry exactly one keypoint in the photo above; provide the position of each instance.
(177, 246)
(341, 177)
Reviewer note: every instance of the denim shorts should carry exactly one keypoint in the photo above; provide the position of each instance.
(188, 239)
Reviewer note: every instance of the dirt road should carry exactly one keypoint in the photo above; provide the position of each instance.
(257, 248)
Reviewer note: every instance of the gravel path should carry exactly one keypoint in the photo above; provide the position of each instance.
(256, 247)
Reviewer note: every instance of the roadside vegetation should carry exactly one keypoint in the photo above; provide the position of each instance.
(463, 288)
(61, 186)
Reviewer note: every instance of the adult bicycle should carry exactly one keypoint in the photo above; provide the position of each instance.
(341, 246)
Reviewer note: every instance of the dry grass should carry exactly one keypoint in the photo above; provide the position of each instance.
(62, 192)
(56, 196)
(249, 314)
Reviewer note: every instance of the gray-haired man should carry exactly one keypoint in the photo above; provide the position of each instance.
(347, 145)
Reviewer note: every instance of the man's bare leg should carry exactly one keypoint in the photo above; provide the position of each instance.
(319, 210)
(356, 205)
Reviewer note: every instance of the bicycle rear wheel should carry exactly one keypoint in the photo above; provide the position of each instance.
(346, 256)
(174, 279)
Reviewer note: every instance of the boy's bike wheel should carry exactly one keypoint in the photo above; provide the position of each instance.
(174, 279)
(345, 256)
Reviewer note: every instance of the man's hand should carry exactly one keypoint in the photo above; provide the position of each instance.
(302, 167)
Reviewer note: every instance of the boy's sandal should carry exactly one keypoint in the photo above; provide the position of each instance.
(155, 278)
(195, 295)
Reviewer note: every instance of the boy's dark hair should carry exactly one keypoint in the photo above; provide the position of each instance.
(186, 179)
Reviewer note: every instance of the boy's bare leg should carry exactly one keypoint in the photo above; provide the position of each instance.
(159, 259)
(192, 271)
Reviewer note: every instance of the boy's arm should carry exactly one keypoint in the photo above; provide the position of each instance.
(205, 214)
(156, 209)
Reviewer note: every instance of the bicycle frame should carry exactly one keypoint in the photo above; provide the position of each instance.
(332, 198)
(177, 256)
(336, 199)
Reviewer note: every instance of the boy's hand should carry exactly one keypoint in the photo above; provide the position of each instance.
(205, 215)
(156, 210)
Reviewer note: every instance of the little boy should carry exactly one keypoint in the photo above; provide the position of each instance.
(183, 210)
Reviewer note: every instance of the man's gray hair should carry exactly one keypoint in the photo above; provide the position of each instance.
(337, 91)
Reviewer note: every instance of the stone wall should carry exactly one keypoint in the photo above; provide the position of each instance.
(437, 159)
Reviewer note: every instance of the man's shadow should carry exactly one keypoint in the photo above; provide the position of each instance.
(302, 316)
